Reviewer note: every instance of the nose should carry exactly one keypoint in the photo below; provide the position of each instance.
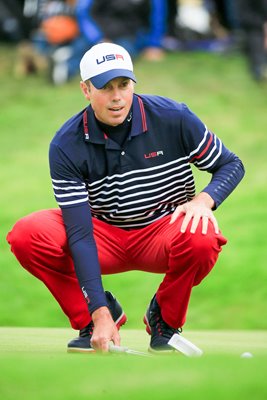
(116, 94)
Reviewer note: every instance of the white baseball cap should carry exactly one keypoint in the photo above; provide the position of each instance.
(106, 61)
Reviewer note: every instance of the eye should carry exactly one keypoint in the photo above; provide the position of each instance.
(125, 83)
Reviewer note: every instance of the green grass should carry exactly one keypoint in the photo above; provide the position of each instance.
(219, 89)
(34, 364)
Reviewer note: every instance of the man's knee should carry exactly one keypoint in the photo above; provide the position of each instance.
(198, 246)
(19, 234)
(19, 238)
(39, 230)
(207, 246)
(202, 245)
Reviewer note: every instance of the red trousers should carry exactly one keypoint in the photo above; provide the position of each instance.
(40, 244)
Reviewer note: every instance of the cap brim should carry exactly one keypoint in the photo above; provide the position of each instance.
(102, 79)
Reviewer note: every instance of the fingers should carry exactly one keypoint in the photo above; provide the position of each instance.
(205, 222)
(100, 340)
(116, 339)
(195, 222)
(176, 214)
(196, 216)
(197, 219)
(187, 218)
(100, 344)
(215, 223)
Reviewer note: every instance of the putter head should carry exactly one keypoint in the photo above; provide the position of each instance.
(184, 346)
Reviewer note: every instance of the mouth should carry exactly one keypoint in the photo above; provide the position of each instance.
(115, 109)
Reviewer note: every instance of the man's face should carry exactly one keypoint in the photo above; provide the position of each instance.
(112, 103)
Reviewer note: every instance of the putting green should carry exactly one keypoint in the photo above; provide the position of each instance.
(35, 365)
(40, 340)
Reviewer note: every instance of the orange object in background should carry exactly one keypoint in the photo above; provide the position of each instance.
(60, 29)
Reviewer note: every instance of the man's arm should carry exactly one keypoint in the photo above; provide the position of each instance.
(224, 181)
(72, 197)
(79, 228)
(207, 152)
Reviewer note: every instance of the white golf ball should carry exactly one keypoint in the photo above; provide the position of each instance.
(246, 354)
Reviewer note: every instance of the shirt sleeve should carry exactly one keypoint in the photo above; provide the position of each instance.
(208, 153)
(72, 197)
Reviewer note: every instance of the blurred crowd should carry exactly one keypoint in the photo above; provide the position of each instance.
(52, 35)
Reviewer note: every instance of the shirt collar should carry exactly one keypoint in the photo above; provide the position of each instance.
(93, 133)
(139, 123)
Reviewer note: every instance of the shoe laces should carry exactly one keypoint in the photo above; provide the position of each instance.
(164, 329)
(88, 330)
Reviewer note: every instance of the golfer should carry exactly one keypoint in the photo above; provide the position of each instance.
(122, 179)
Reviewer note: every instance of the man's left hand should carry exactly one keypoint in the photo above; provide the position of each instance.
(198, 210)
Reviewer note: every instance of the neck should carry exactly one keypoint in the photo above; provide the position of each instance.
(126, 124)
(118, 133)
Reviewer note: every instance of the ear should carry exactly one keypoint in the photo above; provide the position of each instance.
(85, 89)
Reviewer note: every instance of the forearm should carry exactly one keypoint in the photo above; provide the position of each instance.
(79, 228)
(88, 273)
(224, 181)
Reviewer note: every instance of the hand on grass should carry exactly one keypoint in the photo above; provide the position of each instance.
(105, 330)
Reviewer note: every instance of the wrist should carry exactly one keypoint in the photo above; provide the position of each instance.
(205, 199)
(100, 313)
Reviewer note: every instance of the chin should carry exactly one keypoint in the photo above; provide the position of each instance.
(117, 121)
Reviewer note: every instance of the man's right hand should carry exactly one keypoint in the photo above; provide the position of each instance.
(105, 330)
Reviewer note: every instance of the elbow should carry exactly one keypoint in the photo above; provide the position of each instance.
(241, 168)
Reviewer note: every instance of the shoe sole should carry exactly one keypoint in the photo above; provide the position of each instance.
(121, 320)
(161, 352)
(80, 350)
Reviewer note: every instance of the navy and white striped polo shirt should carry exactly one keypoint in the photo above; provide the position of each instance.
(146, 179)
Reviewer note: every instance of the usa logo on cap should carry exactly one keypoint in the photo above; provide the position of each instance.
(106, 61)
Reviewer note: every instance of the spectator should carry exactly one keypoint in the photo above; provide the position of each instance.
(139, 26)
(66, 29)
(253, 16)
(199, 26)
(13, 27)
(55, 41)
(58, 38)
(228, 13)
